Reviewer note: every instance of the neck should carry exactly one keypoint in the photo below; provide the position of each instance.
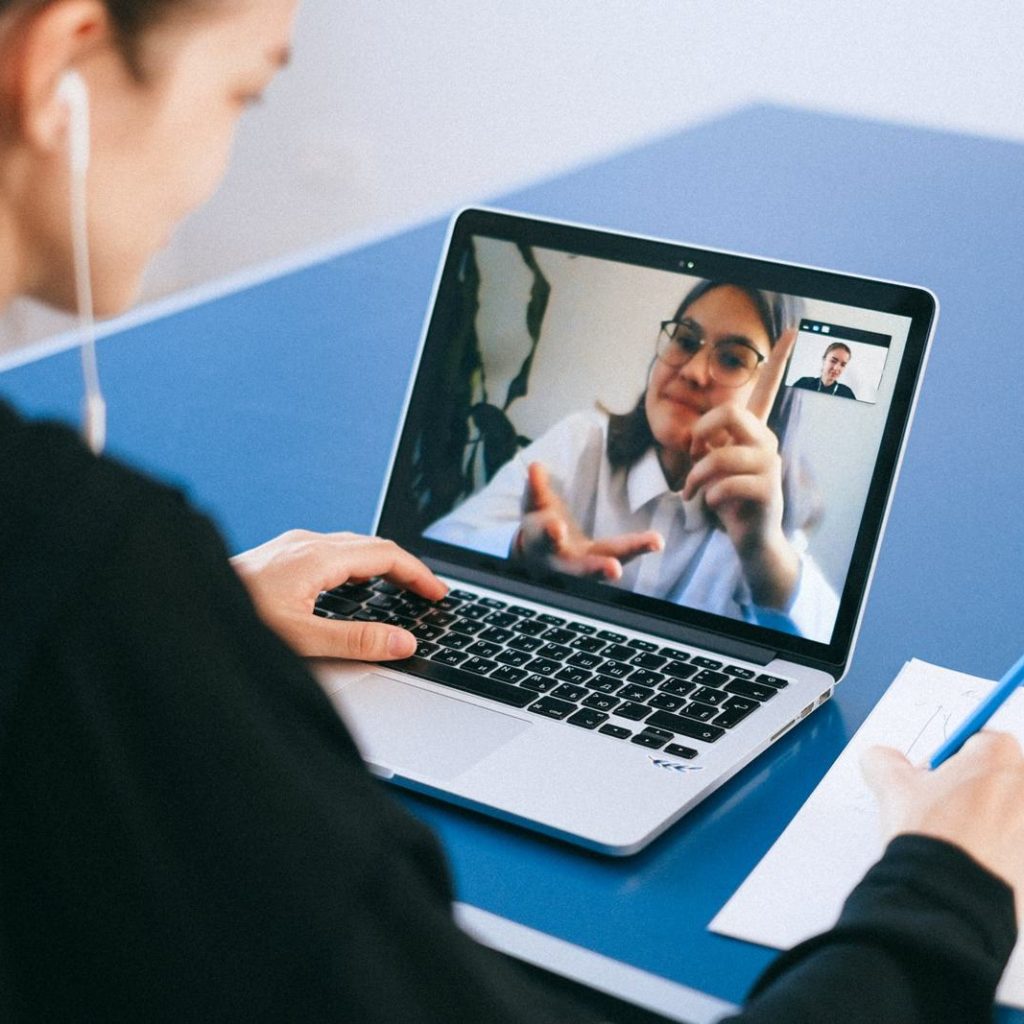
(676, 466)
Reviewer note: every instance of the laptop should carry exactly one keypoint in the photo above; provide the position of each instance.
(655, 477)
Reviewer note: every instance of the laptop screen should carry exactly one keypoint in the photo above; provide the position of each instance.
(703, 438)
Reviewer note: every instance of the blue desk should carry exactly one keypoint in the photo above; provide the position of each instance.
(275, 405)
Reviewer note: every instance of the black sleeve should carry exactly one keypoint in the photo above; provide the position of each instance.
(923, 939)
(187, 833)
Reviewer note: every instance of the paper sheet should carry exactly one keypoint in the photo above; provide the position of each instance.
(799, 887)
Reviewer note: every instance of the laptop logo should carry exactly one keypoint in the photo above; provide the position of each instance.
(675, 766)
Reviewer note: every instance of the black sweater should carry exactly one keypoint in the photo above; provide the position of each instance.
(187, 832)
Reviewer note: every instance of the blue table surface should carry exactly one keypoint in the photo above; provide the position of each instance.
(276, 405)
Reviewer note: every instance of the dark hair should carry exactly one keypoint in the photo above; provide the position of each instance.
(629, 434)
(838, 344)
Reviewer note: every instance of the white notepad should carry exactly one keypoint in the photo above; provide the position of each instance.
(799, 887)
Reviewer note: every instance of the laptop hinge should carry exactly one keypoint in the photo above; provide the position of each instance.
(757, 654)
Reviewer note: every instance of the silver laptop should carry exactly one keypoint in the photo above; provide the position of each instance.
(655, 477)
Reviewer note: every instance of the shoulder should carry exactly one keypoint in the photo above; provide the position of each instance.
(806, 382)
(845, 392)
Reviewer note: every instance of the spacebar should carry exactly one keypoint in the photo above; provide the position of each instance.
(466, 681)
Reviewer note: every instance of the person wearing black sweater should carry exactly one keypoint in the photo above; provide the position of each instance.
(186, 829)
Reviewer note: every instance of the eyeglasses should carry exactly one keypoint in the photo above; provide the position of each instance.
(731, 362)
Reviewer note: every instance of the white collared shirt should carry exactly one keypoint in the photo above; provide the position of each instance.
(698, 568)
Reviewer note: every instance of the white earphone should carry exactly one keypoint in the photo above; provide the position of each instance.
(74, 94)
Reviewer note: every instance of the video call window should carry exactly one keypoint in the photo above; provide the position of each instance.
(838, 361)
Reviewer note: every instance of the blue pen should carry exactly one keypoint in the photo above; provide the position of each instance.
(981, 714)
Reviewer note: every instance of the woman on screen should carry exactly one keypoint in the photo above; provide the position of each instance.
(685, 498)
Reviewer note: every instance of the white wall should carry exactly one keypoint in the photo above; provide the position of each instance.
(396, 111)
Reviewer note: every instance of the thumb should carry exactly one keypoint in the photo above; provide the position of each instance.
(356, 641)
(885, 769)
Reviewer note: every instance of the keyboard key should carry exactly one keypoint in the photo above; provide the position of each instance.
(666, 702)
(372, 615)
(338, 605)
(587, 718)
(740, 673)
(645, 677)
(601, 701)
(495, 635)
(558, 636)
(551, 707)
(614, 669)
(586, 661)
(518, 609)
(649, 739)
(568, 691)
(448, 603)
(424, 648)
(353, 591)
(742, 704)
(507, 674)
(555, 651)
(587, 643)
(484, 649)
(480, 666)
(551, 620)
(424, 631)
(631, 711)
(678, 750)
(463, 595)
(619, 652)
(678, 670)
(602, 684)
(634, 692)
(459, 679)
(530, 627)
(436, 618)
(745, 688)
(455, 641)
(525, 643)
(710, 678)
(772, 681)
(516, 658)
(384, 601)
(641, 645)
(474, 611)
(325, 614)
(383, 586)
(706, 662)
(677, 687)
(709, 696)
(615, 731)
(673, 653)
(582, 627)
(699, 712)
(444, 656)
(539, 684)
(573, 675)
(732, 716)
(491, 602)
(468, 627)
(646, 660)
(502, 619)
(543, 666)
(400, 620)
(614, 638)
(686, 726)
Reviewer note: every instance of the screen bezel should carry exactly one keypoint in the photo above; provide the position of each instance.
(916, 303)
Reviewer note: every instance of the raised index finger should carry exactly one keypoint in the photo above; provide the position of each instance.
(762, 398)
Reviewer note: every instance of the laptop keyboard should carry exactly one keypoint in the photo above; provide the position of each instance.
(623, 687)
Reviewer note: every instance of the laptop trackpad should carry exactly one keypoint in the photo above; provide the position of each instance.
(405, 728)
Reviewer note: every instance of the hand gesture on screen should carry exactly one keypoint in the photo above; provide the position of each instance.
(737, 463)
(550, 538)
(285, 575)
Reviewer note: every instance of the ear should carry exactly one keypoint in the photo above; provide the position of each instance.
(40, 47)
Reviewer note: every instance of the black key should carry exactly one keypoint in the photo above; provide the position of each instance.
(544, 666)
(463, 595)
(448, 603)
(508, 674)
(587, 718)
(516, 658)
(496, 635)
(678, 750)
(677, 687)
(582, 660)
(338, 605)
(525, 643)
(550, 620)
(530, 627)
(709, 678)
(473, 611)
(537, 683)
(645, 677)
(618, 652)
(614, 669)
(518, 609)
(614, 638)
(740, 673)
(601, 701)
(326, 615)
(674, 653)
(424, 648)
(484, 649)
(666, 702)
(372, 615)
(480, 666)
(709, 696)
(699, 712)
(424, 631)
(551, 707)
(436, 618)
(732, 716)
(569, 690)
(503, 619)
(634, 712)
(587, 643)
(634, 692)
(415, 607)
(645, 660)
(678, 670)
(448, 657)
(686, 726)
(772, 681)
(468, 682)
(642, 645)
(400, 620)
(385, 587)
(559, 636)
(455, 641)
(615, 731)
(649, 739)
(468, 627)
(742, 704)
(602, 684)
(383, 601)
(555, 651)
(706, 662)
(353, 591)
(491, 602)
(582, 627)
(745, 688)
